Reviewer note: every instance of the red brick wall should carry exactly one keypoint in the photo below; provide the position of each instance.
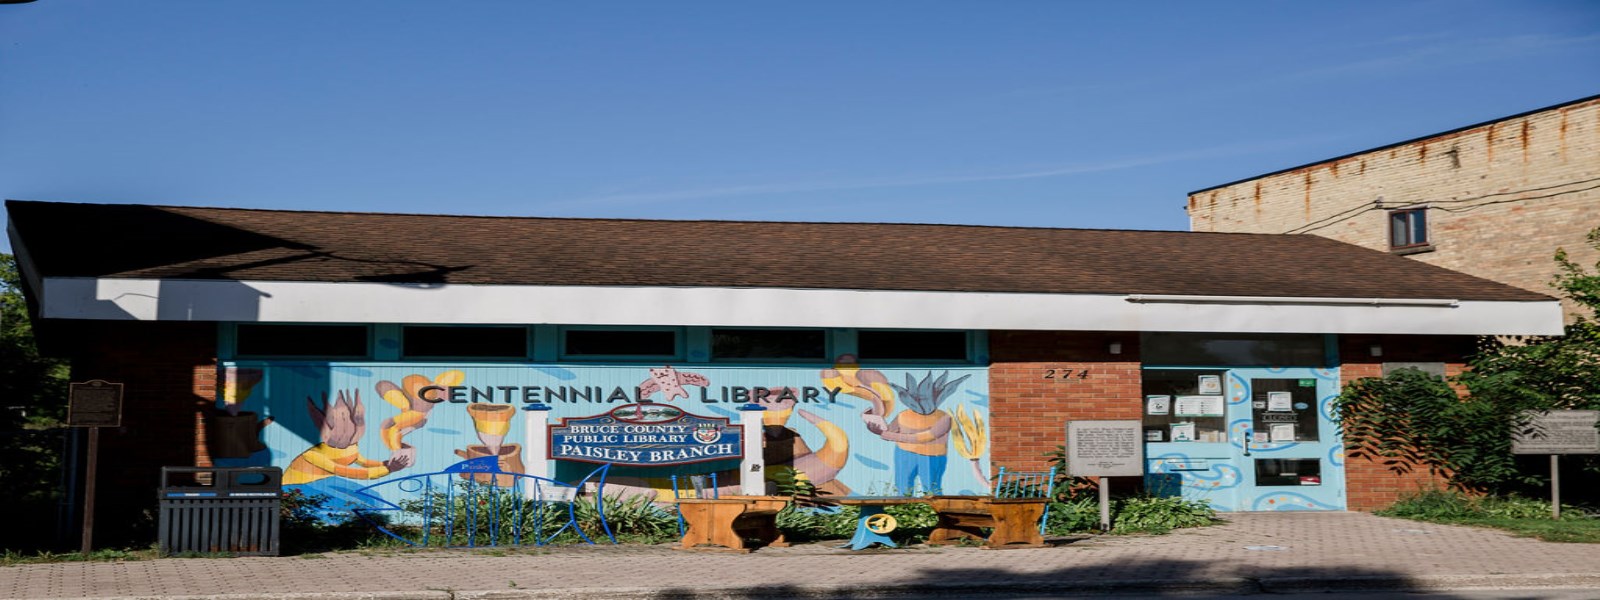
(1373, 484)
(169, 374)
(1029, 412)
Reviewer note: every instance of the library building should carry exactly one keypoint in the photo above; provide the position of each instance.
(874, 359)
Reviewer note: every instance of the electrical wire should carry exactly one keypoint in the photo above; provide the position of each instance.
(1379, 204)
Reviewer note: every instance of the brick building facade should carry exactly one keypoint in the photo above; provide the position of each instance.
(1498, 198)
(930, 359)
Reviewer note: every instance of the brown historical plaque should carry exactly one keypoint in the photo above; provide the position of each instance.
(94, 403)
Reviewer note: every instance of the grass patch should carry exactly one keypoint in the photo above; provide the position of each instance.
(1525, 517)
(12, 557)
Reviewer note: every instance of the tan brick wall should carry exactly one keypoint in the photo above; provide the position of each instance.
(1501, 198)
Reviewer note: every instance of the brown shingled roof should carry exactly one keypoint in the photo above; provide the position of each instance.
(136, 241)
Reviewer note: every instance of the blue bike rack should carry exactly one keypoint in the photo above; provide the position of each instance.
(474, 504)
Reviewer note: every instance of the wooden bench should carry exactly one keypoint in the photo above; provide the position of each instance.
(734, 523)
(1016, 511)
(1014, 521)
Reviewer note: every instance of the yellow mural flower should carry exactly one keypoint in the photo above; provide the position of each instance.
(972, 438)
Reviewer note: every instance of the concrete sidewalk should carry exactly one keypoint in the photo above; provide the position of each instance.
(1253, 552)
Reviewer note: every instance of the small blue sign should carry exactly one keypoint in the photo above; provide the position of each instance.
(645, 434)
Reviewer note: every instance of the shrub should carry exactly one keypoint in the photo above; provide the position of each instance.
(305, 524)
(1453, 506)
(1152, 514)
(635, 518)
(1073, 516)
(806, 524)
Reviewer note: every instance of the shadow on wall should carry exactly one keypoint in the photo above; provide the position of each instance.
(1136, 578)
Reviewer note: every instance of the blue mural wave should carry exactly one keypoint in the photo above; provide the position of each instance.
(1284, 501)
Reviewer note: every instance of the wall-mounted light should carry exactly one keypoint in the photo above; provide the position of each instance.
(1375, 350)
(1114, 348)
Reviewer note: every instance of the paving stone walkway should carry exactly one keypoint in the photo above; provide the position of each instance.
(1252, 552)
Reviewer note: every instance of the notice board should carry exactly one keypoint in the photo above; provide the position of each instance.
(94, 403)
(1105, 449)
(1558, 432)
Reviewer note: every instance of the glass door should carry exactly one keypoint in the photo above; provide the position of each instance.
(1285, 439)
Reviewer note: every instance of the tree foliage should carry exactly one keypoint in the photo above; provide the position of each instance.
(32, 405)
(32, 387)
(1410, 419)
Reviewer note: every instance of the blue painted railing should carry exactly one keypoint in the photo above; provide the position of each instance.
(474, 504)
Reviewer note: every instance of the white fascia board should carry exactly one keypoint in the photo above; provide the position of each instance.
(319, 302)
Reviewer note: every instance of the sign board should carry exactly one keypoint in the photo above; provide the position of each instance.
(645, 434)
(94, 403)
(1558, 432)
(1198, 406)
(1105, 449)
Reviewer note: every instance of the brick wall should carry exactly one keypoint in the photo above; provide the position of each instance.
(169, 372)
(1372, 484)
(1029, 412)
(1501, 197)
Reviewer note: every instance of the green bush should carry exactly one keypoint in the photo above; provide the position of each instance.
(632, 518)
(1448, 506)
(1409, 420)
(806, 524)
(1073, 516)
(1152, 514)
(522, 521)
(304, 526)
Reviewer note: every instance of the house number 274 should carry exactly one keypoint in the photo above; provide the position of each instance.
(1066, 373)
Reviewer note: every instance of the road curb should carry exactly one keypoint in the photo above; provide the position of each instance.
(1279, 585)
(1276, 585)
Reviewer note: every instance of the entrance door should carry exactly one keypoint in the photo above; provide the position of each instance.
(1244, 439)
(1285, 440)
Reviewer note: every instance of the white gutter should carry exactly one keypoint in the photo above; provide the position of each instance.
(1312, 301)
(361, 302)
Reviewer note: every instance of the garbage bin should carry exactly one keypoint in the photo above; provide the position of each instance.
(233, 510)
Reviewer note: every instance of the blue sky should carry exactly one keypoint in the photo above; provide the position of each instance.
(1060, 114)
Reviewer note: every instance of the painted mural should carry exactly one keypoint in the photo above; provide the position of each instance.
(846, 428)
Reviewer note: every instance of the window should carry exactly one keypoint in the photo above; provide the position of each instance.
(1234, 349)
(1288, 471)
(1197, 419)
(1283, 410)
(325, 341)
(634, 343)
(912, 345)
(464, 342)
(1408, 228)
(774, 344)
(1435, 369)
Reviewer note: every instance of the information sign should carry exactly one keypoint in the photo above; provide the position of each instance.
(1198, 406)
(94, 403)
(1105, 449)
(645, 434)
(1558, 432)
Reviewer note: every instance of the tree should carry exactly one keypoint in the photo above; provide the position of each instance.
(32, 406)
(1409, 419)
(32, 387)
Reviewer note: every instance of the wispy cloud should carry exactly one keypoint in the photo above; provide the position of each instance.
(1449, 52)
(927, 179)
